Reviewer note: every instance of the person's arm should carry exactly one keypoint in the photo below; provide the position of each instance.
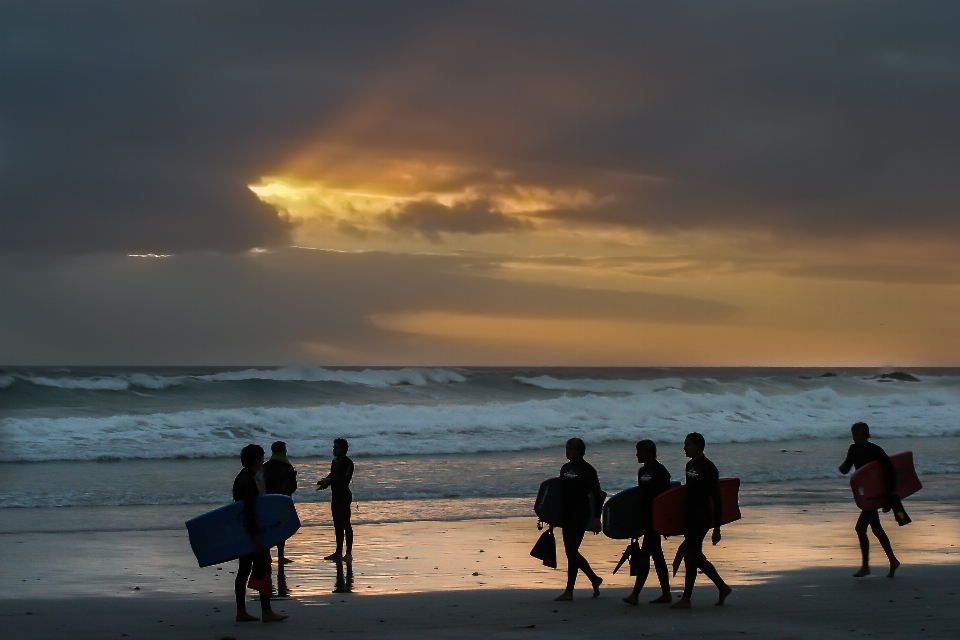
(325, 481)
(340, 474)
(290, 482)
(889, 473)
(597, 500)
(250, 493)
(717, 505)
(847, 463)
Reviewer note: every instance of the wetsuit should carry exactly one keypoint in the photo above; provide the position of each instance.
(341, 473)
(245, 489)
(704, 510)
(859, 455)
(280, 475)
(579, 481)
(653, 479)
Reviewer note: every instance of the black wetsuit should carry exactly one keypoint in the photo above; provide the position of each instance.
(341, 473)
(857, 456)
(280, 476)
(704, 510)
(579, 481)
(245, 489)
(653, 479)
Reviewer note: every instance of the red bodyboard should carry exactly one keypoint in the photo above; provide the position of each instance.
(670, 507)
(870, 487)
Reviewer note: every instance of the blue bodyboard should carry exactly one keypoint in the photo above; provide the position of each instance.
(621, 514)
(221, 535)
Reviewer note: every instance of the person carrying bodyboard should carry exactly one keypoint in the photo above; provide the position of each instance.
(580, 481)
(704, 509)
(862, 452)
(653, 479)
(246, 487)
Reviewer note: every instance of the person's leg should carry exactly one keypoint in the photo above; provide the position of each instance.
(692, 555)
(261, 569)
(711, 572)
(336, 509)
(866, 515)
(240, 588)
(884, 542)
(348, 532)
(660, 564)
(576, 562)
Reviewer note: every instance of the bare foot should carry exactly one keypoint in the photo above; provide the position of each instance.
(596, 587)
(286, 561)
(682, 603)
(348, 557)
(864, 571)
(333, 556)
(894, 565)
(243, 616)
(564, 597)
(725, 590)
(664, 599)
(270, 616)
(633, 598)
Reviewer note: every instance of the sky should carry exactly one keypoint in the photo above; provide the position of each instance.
(542, 182)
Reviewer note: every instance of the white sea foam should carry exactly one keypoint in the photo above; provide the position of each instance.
(665, 416)
(368, 377)
(593, 385)
(126, 381)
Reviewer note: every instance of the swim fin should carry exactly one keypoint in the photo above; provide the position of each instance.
(898, 511)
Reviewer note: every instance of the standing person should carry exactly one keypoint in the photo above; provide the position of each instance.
(246, 487)
(860, 453)
(704, 507)
(653, 479)
(280, 477)
(341, 473)
(579, 481)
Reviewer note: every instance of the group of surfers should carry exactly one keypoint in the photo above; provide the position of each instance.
(704, 508)
(580, 514)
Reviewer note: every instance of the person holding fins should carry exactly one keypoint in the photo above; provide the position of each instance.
(341, 473)
(704, 508)
(860, 453)
(580, 482)
(246, 487)
(280, 477)
(653, 479)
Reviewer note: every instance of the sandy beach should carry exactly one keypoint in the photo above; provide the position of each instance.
(790, 568)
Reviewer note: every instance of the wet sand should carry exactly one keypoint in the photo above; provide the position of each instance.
(790, 568)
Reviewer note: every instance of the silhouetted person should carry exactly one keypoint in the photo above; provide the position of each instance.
(280, 477)
(246, 487)
(860, 453)
(579, 481)
(653, 479)
(341, 473)
(704, 508)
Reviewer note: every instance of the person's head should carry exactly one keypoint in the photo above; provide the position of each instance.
(575, 449)
(340, 447)
(279, 447)
(646, 451)
(251, 457)
(693, 445)
(860, 432)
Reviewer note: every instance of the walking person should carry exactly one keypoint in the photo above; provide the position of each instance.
(653, 479)
(338, 480)
(246, 487)
(280, 477)
(860, 453)
(580, 482)
(704, 508)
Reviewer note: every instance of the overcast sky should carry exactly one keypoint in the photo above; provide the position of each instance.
(646, 182)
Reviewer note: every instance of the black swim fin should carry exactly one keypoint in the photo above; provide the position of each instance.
(898, 511)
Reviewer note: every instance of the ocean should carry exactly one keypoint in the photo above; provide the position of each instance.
(448, 443)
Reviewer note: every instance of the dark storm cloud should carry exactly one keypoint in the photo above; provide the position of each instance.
(429, 218)
(135, 126)
(207, 308)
